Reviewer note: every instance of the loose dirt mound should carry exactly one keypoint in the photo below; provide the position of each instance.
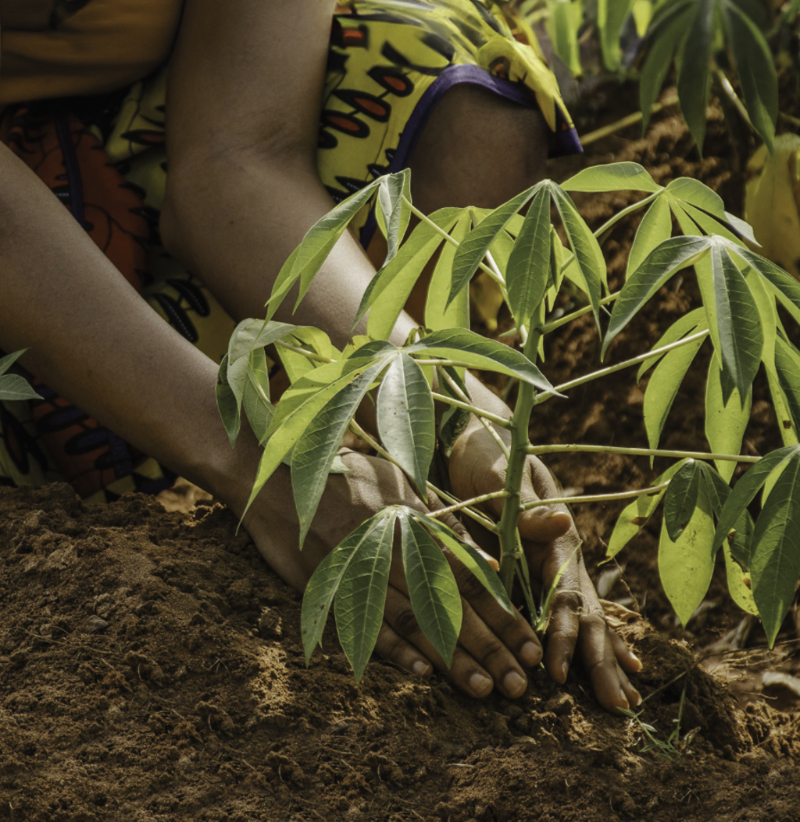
(151, 666)
(151, 669)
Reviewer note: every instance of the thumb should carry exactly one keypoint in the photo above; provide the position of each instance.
(544, 523)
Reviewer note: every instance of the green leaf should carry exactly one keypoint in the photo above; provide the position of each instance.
(563, 24)
(686, 565)
(388, 290)
(786, 287)
(406, 420)
(756, 70)
(719, 491)
(257, 405)
(479, 352)
(453, 420)
(682, 498)
(787, 367)
(229, 400)
(634, 517)
(324, 582)
(470, 559)
(437, 314)
(612, 177)
(432, 589)
(655, 228)
(748, 486)
(315, 449)
(708, 224)
(741, 593)
(775, 560)
(14, 387)
(666, 34)
(656, 269)
(687, 325)
(695, 69)
(738, 321)
(9, 359)
(308, 257)
(726, 421)
(689, 190)
(361, 597)
(392, 213)
(663, 388)
(591, 264)
(251, 334)
(611, 17)
(528, 269)
(472, 251)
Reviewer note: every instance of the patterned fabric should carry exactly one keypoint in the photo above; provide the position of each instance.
(104, 158)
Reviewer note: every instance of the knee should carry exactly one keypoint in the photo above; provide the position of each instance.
(477, 149)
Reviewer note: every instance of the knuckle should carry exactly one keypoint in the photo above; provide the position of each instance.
(569, 635)
(493, 652)
(569, 600)
(404, 622)
(593, 620)
(469, 585)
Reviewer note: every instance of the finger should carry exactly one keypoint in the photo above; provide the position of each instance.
(465, 672)
(612, 688)
(562, 635)
(450, 520)
(392, 647)
(627, 659)
(544, 523)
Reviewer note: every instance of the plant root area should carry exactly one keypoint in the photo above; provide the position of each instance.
(151, 667)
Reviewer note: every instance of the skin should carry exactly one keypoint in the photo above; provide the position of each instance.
(242, 191)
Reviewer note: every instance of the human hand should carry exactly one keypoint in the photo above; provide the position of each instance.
(551, 543)
(494, 648)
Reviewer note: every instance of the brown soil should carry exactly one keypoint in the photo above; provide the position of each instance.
(151, 666)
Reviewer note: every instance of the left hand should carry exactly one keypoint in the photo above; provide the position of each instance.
(550, 539)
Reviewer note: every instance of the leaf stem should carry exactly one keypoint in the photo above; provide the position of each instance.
(456, 389)
(596, 497)
(636, 452)
(473, 409)
(630, 120)
(604, 372)
(731, 94)
(304, 352)
(467, 503)
(568, 318)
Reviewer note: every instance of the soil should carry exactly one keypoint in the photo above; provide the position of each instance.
(151, 666)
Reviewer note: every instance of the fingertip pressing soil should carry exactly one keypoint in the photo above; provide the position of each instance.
(151, 667)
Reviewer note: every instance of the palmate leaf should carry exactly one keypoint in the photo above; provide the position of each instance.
(361, 597)
(687, 325)
(388, 291)
(229, 392)
(686, 565)
(306, 260)
(634, 517)
(787, 367)
(689, 190)
(256, 402)
(741, 338)
(695, 69)
(655, 228)
(718, 492)
(14, 387)
(612, 177)
(479, 352)
(726, 420)
(314, 452)
(749, 485)
(775, 558)
(252, 334)
(472, 251)
(392, 213)
(663, 388)
(438, 314)
(611, 17)
(785, 287)
(9, 359)
(367, 540)
(432, 588)
(563, 23)
(528, 269)
(406, 419)
(682, 498)
(656, 269)
(470, 559)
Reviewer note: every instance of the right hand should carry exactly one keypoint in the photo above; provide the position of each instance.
(494, 649)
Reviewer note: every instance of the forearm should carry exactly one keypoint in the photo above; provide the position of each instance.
(93, 339)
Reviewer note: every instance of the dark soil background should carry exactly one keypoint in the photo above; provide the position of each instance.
(151, 667)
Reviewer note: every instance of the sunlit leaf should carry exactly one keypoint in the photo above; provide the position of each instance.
(786, 287)
(655, 228)
(687, 325)
(697, 194)
(438, 314)
(257, 405)
(392, 213)
(740, 592)
(725, 421)
(406, 421)
(681, 499)
(612, 177)
(432, 588)
(251, 334)
(611, 17)
(361, 597)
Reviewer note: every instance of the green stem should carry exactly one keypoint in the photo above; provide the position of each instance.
(595, 497)
(459, 506)
(510, 547)
(568, 318)
(473, 409)
(636, 452)
(630, 120)
(604, 372)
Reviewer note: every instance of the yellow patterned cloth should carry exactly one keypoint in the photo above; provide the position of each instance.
(390, 62)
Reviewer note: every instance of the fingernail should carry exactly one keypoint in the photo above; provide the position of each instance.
(545, 513)
(420, 668)
(638, 662)
(564, 671)
(514, 684)
(624, 699)
(480, 685)
(530, 653)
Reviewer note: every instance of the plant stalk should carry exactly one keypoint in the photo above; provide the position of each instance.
(473, 409)
(510, 546)
(653, 489)
(636, 452)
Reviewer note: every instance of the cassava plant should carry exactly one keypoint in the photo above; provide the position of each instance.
(530, 263)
